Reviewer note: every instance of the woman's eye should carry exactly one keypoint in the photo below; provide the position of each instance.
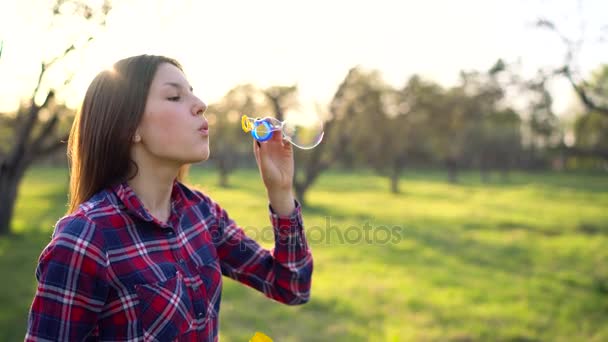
(173, 98)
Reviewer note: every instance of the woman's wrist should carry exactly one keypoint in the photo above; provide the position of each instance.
(282, 202)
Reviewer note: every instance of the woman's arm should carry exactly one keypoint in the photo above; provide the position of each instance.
(72, 284)
(283, 273)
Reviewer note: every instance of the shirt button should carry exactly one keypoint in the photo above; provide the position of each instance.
(170, 232)
(181, 261)
(200, 314)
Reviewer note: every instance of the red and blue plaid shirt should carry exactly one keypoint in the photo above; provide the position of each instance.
(114, 272)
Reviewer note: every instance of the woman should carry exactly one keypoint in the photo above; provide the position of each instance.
(140, 255)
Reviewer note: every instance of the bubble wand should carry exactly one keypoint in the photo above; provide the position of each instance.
(304, 135)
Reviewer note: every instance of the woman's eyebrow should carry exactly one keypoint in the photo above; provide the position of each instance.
(177, 85)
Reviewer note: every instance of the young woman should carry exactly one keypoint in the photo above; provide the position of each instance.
(139, 255)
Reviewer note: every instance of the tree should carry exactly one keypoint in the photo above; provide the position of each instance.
(309, 164)
(227, 137)
(339, 128)
(592, 94)
(360, 108)
(591, 127)
(449, 134)
(409, 127)
(500, 140)
(281, 99)
(544, 123)
(493, 129)
(365, 117)
(34, 127)
(595, 99)
(340, 133)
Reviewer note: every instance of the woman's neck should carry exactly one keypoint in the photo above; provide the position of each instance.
(153, 185)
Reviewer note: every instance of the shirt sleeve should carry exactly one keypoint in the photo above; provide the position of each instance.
(72, 283)
(283, 273)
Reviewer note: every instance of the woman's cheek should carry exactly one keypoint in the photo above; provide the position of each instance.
(162, 131)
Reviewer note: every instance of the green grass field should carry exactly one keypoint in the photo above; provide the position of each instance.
(523, 260)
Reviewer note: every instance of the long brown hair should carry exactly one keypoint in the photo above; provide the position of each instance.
(103, 129)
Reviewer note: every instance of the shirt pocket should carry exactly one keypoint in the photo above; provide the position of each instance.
(209, 291)
(164, 309)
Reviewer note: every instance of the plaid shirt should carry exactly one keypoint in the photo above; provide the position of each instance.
(114, 272)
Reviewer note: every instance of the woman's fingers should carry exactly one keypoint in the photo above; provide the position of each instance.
(256, 150)
(273, 150)
(277, 136)
(272, 145)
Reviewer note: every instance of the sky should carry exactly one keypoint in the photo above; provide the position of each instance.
(309, 43)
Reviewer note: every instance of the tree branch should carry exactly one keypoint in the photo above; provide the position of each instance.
(65, 52)
(32, 155)
(45, 66)
(54, 146)
(276, 105)
(582, 93)
(25, 130)
(38, 83)
(45, 132)
(566, 70)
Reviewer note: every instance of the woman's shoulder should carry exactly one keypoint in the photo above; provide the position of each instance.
(75, 233)
(195, 197)
(87, 216)
(73, 224)
(75, 237)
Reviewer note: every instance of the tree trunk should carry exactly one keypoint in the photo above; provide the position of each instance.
(311, 168)
(301, 188)
(505, 175)
(223, 182)
(452, 171)
(10, 177)
(483, 171)
(223, 171)
(396, 172)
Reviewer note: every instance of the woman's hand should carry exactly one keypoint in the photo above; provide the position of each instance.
(275, 162)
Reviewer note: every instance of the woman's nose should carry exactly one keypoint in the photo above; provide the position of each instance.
(200, 107)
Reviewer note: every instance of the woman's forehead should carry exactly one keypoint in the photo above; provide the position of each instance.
(169, 73)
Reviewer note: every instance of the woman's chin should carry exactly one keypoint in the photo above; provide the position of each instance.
(194, 156)
(202, 156)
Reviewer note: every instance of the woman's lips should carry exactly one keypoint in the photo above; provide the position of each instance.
(204, 129)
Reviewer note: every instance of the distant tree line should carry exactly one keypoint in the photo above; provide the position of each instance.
(474, 125)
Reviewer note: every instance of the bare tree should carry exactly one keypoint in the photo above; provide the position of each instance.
(35, 135)
(592, 95)
(591, 98)
(281, 98)
(311, 163)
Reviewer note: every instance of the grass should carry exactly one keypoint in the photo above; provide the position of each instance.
(518, 260)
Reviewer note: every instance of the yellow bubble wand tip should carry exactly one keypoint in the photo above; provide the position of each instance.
(246, 124)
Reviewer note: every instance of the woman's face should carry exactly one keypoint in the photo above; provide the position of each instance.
(173, 127)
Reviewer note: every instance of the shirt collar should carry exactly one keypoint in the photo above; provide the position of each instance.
(133, 204)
